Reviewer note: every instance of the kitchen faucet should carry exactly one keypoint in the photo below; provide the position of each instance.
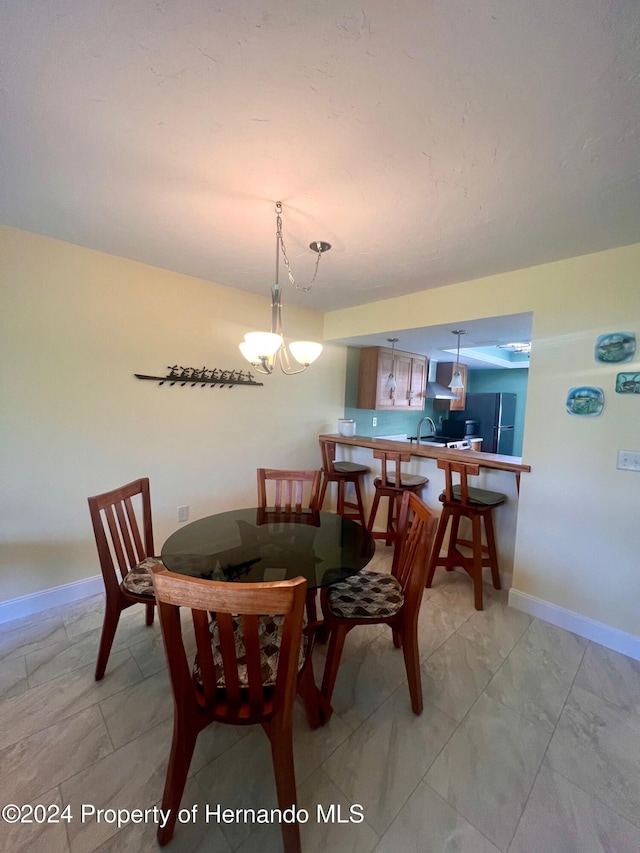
(419, 429)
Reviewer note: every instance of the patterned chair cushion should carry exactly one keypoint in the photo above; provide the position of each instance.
(270, 635)
(366, 595)
(139, 580)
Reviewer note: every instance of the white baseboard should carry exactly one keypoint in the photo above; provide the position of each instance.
(27, 605)
(612, 638)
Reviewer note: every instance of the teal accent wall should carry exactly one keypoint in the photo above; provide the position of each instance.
(508, 381)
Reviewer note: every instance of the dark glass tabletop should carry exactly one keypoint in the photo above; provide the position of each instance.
(254, 545)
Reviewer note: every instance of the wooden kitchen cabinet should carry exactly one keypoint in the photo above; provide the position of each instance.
(444, 372)
(409, 369)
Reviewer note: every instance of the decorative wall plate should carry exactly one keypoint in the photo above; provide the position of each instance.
(615, 347)
(628, 383)
(585, 400)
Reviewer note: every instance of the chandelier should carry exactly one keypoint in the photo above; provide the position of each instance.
(264, 349)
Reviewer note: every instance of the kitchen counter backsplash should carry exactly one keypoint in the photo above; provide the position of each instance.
(389, 423)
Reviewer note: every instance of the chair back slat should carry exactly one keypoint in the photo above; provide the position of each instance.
(208, 670)
(290, 488)
(236, 689)
(115, 543)
(125, 533)
(227, 646)
(250, 628)
(135, 532)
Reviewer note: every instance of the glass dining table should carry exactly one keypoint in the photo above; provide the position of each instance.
(254, 545)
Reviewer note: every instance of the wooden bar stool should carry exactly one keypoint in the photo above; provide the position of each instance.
(462, 500)
(392, 484)
(342, 473)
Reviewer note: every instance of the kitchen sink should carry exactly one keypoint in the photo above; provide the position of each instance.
(429, 439)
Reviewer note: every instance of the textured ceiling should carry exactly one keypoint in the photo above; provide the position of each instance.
(429, 142)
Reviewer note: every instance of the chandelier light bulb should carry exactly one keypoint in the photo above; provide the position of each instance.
(305, 352)
(263, 344)
(456, 381)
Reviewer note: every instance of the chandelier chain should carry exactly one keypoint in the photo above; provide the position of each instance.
(286, 259)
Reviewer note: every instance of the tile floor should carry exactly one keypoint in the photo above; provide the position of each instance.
(529, 740)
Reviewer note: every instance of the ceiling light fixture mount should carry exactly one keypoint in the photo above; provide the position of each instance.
(456, 378)
(264, 349)
(517, 346)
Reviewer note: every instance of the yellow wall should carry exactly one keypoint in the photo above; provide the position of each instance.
(577, 535)
(75, 326)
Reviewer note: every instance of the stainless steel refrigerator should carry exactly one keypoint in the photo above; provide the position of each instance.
(495, 414)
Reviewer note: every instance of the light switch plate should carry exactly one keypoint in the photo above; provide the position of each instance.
(629, 460)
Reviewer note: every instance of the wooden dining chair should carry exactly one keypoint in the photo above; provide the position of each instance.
(123, 530)
(249, 654)
(370, 598)
(293, 490)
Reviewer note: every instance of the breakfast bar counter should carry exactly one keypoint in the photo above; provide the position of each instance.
(497, 473)
(427, 451)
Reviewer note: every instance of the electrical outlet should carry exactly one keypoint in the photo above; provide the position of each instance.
(374, 422)
(629, 460)
(183, 513)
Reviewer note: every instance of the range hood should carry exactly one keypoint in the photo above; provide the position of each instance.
(434, 391)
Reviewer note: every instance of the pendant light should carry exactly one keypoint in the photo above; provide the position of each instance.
(456, 380)
(264, 349)
(391, 378)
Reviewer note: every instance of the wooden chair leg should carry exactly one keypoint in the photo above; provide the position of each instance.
(453, 539)
(397, 636)
(437, 545)
(412, 665)
(334, 653)
(374, 511)
(360, 505)
(323, 491)
(477, 561)
(323, 630)
(284, 772)
(311, 697)
(390, 516)
(109, 627)
(493, 551)
(312, 611)
(182, 746)
(150, 610)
